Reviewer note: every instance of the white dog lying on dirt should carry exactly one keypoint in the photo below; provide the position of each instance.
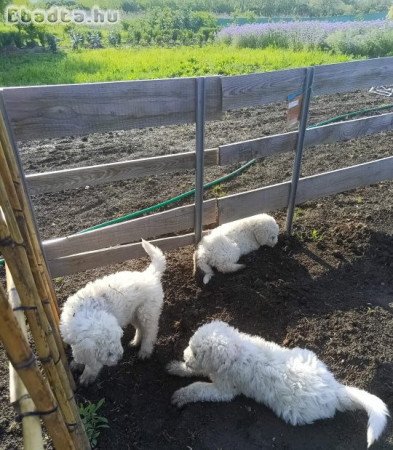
(294, 383)
(92, 319)
(223, 247)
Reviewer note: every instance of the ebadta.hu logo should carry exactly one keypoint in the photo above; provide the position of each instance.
(15, 14)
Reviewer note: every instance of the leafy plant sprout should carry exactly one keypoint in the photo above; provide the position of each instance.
(92, 421)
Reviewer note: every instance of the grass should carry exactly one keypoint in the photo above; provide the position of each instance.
(112, 64)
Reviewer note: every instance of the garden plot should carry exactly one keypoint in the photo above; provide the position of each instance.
(328, 288)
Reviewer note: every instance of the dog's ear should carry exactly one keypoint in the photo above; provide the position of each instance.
(223, 354)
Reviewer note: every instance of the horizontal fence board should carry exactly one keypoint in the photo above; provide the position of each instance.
(104, 257)
(53, 111)
(108, 173)
(275, 197)
(175, 220)
(257, 201)
(237, 206)
(269, 87)
(286, 142)
(341, 180)
(260, 88)
(352, 76)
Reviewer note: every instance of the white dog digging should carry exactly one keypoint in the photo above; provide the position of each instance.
(294, 383)
(223, 247)
(93, 319)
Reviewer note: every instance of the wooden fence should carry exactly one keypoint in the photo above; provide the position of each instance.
(55, 111)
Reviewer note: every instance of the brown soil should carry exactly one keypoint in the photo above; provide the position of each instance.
(329, 288)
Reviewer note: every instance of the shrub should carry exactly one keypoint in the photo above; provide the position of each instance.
(52, 42)
(77, 39)
(168, 27)
(114, 38)
(94, 39)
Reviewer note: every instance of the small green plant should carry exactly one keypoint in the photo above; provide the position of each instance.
(77, 39)
(94, 39)
(52, 41)
(92, 421)
(114, 39)
(359, 200)
(298, 214)
(315, 235)
(218, 191)
(59, 281)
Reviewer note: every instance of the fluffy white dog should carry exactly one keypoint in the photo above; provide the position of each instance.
(93, 319)
(223, 247)
(294, 383)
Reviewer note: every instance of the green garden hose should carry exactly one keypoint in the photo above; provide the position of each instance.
(350, 114)
(139, 213)
(227, 177)
(149, 209)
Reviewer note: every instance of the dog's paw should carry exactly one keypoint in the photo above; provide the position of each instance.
(180, 398)
(86, 378)
(134, 343)
(175, 368)
(207, 278)
(144, 354)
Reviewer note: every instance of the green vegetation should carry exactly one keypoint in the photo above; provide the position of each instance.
(92, 421)
(128, 64)
(157, 27)
(371, 43)
(315, 235)
(370, 38)
(168, 27)
(267, 8)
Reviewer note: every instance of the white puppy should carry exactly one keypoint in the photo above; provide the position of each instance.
(223, 247)
(92, 319)
(294, 383)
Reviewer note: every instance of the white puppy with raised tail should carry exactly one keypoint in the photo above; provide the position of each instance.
(93, 319)
(294, 383)
(223, 247)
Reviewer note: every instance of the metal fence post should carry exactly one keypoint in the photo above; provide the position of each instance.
(299, 146)
(199, 156)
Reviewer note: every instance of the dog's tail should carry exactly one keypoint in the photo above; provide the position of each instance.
(158, 261)
(200, 263)
(354, 398)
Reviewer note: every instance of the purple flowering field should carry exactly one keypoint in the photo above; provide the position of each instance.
(375, 36)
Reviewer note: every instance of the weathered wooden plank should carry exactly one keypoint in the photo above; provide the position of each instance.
(260, 88)
(104, 257)
(345, 179)
(274, 197)
(236, 206)
(352, 76)
(52, 111)
(60, 180)
(172, 221)
(257, 201)
(269, 87)
(286, 142)
(256, 148)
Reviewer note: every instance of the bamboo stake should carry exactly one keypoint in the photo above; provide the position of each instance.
(19, 396)
(13, 250)
(38, 274)
(23, 361)
(16, 173)
(13, 211)
(24, 215)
